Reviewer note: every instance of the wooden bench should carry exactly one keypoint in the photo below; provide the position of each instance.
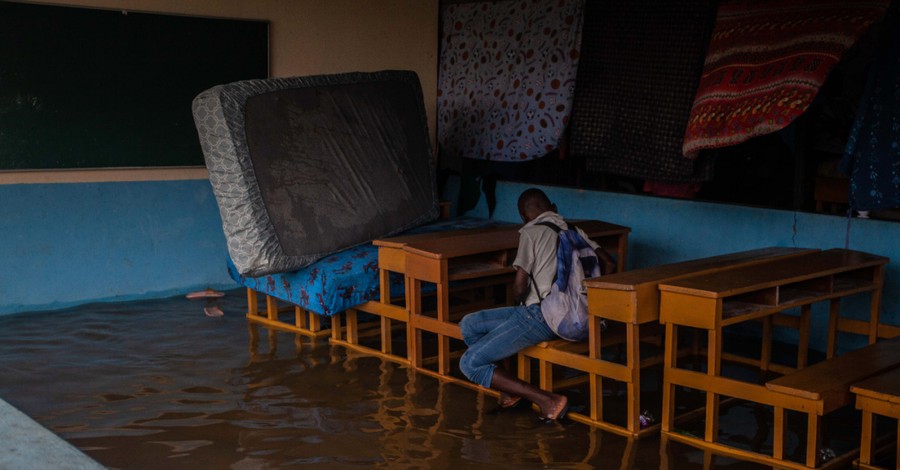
(630, 302)
(877, 396)
(714, 302)
(824, 387)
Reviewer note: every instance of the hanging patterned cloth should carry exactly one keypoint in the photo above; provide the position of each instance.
(506, 76)
(640, 64)
(766, 61)
(872, 156)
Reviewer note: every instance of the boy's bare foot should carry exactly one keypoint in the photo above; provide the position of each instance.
(558, 409)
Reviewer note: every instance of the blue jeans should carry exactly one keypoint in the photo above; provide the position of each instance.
(498, 333)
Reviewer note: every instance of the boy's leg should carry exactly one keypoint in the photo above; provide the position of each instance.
(497, 340)
(477, 324)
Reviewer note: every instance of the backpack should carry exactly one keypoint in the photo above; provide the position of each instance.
(565, 307)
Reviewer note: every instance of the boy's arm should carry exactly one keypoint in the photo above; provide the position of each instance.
(608, 265)
(521, 286)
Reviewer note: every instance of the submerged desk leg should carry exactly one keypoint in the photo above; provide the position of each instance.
(443, 316)
(670, 357)
(633, 361)
(596, 380)
(713, 367)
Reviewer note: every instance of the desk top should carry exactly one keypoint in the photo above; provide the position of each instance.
(885, 387)
(773, 273)
(402, 240)
(636, 278)
(473, 243)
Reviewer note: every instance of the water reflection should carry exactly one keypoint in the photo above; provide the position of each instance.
(160, 385)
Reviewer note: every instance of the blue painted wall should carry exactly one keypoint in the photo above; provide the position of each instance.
(68, 244)
(670, 230)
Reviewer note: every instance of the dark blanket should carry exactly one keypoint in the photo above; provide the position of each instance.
(640, 65)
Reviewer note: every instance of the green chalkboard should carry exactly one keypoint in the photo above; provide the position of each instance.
(89, 88)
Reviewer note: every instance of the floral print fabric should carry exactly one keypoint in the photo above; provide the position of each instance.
(872, 156)
(506, 78)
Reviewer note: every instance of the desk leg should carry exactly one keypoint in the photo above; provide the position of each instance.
(803, 336)
(596, 381)
(414, 336)
(713, 368)
(765, 357)
(384, 282)
(834, 319)
(633, 388)
(813, 439)
(876, 305)
(252, 303)
(443, 315)
(778, 424)
(867, 440)
(670, 355)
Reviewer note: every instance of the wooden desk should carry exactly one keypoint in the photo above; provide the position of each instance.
(877, 396)
(466, 257)
(632, 299)
(392, 259)
(712, 302)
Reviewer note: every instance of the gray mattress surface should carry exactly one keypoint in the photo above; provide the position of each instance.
(307, 166)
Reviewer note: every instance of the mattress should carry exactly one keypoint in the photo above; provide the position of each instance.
(305, 167)
(343, 279)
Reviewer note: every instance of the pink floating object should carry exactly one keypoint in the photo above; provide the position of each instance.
(213, 311)
(205, 294)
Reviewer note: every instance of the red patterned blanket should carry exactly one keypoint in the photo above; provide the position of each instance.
(765, 63)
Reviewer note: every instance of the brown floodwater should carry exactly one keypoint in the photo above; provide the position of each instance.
(159, 385)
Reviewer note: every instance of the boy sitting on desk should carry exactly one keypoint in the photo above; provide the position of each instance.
(495, 334)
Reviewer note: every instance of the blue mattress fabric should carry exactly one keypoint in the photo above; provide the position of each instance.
(341, 280)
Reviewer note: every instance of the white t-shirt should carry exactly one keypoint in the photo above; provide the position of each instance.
(537, 253)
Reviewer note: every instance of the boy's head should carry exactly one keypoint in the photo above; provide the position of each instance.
(532, 203)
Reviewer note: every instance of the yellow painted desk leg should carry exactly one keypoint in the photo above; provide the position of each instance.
(596, 381)
(813, 439)
(803, 338)
(336, 326)
(834, 313)
(669, 357)
(300, 318)
(252, 302)
(633, 362)
(384, 281)
(876, 307)
(415, 336)
(443, 315)
(778, 434)
(352, 326)
(897, 448)
(866, 439)
(713, 366)
(765, 356)
(271, 307)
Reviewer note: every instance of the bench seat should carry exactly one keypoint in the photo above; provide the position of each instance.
(826, 386)
(877, 396)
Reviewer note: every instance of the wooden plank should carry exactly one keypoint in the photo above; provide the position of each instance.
(774, 273)
(688, 310)
(606, 294)
(884, 387)
(831, 379)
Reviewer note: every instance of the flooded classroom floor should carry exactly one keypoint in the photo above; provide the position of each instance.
(159, 385)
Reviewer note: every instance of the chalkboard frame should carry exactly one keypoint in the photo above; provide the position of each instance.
(88, 88)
